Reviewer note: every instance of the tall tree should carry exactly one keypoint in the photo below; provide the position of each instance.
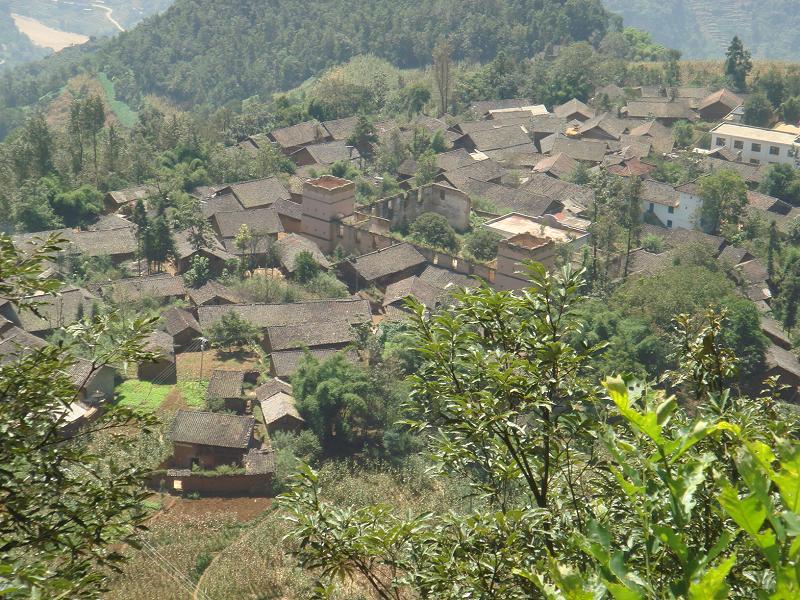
(631, 215)
(441, 69)
(724, 196)
(757, 110)
(94, 118)
(737, 64)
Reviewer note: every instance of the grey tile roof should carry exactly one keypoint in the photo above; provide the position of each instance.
(56, 311)
(310, 335)
(132, 194)
(352, 310)
(184, 247)
(211, 429)
(328, 153)
(484, 106)
(155, 286)
(424, 292)
(734, 255)
(287, 208)
(571, 107)
(558, 165)
(750, 173)
(301, 134)
(262, 220)
(285, 363)
(211, 291)
(272, 387)
(483, 170)
(16, 343)
(259, 461)
(177, 320)
(602, 123)
(501, 137)
(568, 194)
(341, 129)
(109, 222)
(394, 259)
(507, 199)
(225, 384)
(584, 150)
(659, 193)
(289, 246)
(278, 406)
(775, 331)
(160, 342)
(222, 203)
(777, 357)
(660, 110)
(446, 280)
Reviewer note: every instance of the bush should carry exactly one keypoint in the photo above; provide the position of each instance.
(326, 285)
(653, 243)
(433, 229)
(482, 244)
(232, 330)
(306, 268)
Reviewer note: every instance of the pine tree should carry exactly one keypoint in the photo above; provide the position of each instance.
(738, 64)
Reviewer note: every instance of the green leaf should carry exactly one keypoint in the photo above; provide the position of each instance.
(669, 537)
(645, 423)
(620, 592)
(712, 585)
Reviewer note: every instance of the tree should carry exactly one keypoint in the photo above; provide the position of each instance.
(427, 169)
(790, 110)
(65, 506)
(737, 64)
(198, 273)
(672, 70)
(242, 241)
(232, 331)
(33, 209)
(94, 118)
(683, 134)
(364, 137)
(79, 207)
(757, 110)
(630, 215)
(441, 70)
(772, 84)
(414, 97)
(778, 182)
(431, 228)
(724, 196)
(306, 267)
(33, 151)
(482, 243)
(158, 244)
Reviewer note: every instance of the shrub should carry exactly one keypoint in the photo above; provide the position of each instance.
(431, 228)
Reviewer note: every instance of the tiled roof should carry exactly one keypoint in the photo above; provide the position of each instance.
(750, 173)
(341, 129)
(734, 255)
(446, 280)
(424, 292)
(56, 311)
(483, 107)
(647, 263)
(287, 208)
(352, 310)
(754, 271)
(262, 220)
(777, 357)
(212, 290)
(328, 153)
(585, 150)
(448, 161)
(775, 331)
(483, 170)
(659, 193)
(184, 246)
(572, 107)
(561, 191)
(660, 110)
(285, 363)
(724, 97)
(132, 194)
(632, 168)
(270, 388)
(559, 165)
(301, 134)
(225, 384)
(310, 335)
(602, 123)
(109, 222)
(17, 343)
(177, 320)
(156, 286)
(211, 429)
(393, 259)
(259, 461)
(278, 406)
(259, 192)
(507, 199)
(222, 203)
(289, 246)
(160, 342)
(500, 137)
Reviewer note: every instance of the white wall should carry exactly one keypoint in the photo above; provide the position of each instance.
(684, 216)
(749, 155)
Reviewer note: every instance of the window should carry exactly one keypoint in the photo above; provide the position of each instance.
(738, 145)
(755, 147)
(720, 141)
(441, 194)
(755, 161)
(671, 210)
(775, 151)
(669, 224)
(652, 207)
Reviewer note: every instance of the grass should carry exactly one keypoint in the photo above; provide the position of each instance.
(142, 396)
(126, 116)
(193, 392)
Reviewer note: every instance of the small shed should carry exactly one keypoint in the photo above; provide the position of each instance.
(280, 412)
(208, 440)
(229, 387)
(162, 368)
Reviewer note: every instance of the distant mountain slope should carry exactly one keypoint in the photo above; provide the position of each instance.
(704, 28)
(15, 48)
(212, 51)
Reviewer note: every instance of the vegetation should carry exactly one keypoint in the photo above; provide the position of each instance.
(434, 230)
(232, 331)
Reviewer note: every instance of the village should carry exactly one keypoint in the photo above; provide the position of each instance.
(507, 171)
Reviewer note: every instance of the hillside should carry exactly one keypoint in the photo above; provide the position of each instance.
(207, 51)
(703, 28)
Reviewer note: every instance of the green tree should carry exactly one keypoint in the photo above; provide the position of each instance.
(94, 118)
(737, 64)
(630, 215)
(79, 207)
(364, 137)
(199, 272)
(243, 240)
(413, 97)
(442, 60)
(724, 196)
(772, 84)
(790, 110)
(482, 244)
(65, 507)
(158, 243)
(672, 69)
(778, 182)
(431, 228)
(683, 134)
(33, 150)
(232, 331)
(757, 110)
(427, 169)
(306, 267)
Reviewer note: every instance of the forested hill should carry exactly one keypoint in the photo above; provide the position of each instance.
(704, 28)
(212, 51)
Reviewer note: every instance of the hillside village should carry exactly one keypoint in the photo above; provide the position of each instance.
(508, 171)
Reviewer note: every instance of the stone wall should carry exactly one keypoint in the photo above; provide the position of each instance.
(404, 208)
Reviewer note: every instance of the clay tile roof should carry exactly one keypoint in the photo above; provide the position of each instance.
(631, 168)
(272, 387)
(262, 220)
(278, 406)
(211, 429)
(301, 134)
(310, 335)
(211, 291)
(225, 384)
(351, 310)
(393, 259)
(289, 246)
(177, 320)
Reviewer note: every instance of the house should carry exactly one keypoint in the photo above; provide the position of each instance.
(382, 267)
(507, 199)
(161, 287)
(588, 150)
(601, 127)
(775, 332)
(162, 369)
(208, 440)
(659, 136)
(481, 109)
(559, 165)
(212, 250)
(413, 287)
(784, 365)
(290, 139)
(341, 129)
(574, 198)
(326, 334)
(227, 386)
(663, 111)
(284, 364)
(510, 136)
(326, 200)
(718, 105)
(631, 168)
(752, 174)
(574, 110)
(256, 193)
(182, 327)
(213, 293)
(674, 208)
(446, 280)
(757, 145)
(119, 199)
(56, 311)
(261, 221)
(544, 126)
(486, 170)
(288, 247)
(325, 154)
(278, 407)
(218, 203)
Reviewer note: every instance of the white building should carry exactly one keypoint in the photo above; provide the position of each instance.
(757, 145)
(674, 208)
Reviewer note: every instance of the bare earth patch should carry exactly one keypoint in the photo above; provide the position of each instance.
(189, 363)
(47, 37)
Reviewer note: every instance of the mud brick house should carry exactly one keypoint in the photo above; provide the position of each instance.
(284, 364)
(574, 110)
(181, 325)
(278, 407)
(207, 440)
(383, 267)
(161, 287)
(213, 251)
(229, 387)
(163, 367)
(213, 293)
(55, 312)
(784, 365)
(288, 247)
(125, 199)
(330, 334)
(291, 139)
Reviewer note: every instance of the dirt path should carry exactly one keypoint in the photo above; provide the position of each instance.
(109, 11)
(47, 37)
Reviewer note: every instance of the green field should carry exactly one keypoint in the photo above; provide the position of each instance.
(193, 392)
(142, 396)
(123, 112)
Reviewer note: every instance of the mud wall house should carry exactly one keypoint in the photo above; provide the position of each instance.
(162, 287)
(784, 365)
(162, 369)
(289, 247)
(124, 200)
(382, 267)
(227, 386)
(257, 193)
(291, 139)
(278, 407)
(213, 293)
(660, 109)
(55, 312)
(325, 154)
(574, 110)
(208, 440)
(323, 334)
(263, 223)
(326, 201)
(403, 209)
(181, 326)
(284, 364)
(718, 105)
(213, 250)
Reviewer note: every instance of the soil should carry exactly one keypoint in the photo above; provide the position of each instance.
(172, 403)
(188, 363)
(47, 37)
(245, 509)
